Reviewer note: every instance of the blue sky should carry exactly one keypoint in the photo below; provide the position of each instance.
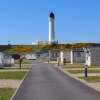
(24, 21)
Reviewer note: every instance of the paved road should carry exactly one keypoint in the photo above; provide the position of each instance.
(44, 82)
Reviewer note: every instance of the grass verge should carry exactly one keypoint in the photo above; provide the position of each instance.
(12, 75)
(72, 66)
(6, 93)
(82, 71)
(91, 78)
(78, 66)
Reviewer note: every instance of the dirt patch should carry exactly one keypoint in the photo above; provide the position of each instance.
(10, 83)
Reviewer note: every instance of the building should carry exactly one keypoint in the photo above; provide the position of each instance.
(1, 59)
(72, 56)
(93, 55)
(51, 35)
(89, 56)
(6, 60)
(31, 56)
(51, 28)
(40, 42)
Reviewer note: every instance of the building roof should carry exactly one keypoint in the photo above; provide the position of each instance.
(52, 15)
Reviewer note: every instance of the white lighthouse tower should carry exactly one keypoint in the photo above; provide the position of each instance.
(51, 28)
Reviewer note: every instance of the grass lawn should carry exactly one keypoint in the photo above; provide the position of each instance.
(91, 78)
(12, 75)
(6, 93)
(78, 66)
(72, 66)
(13, 69)
(82, 71)
(27, 62)
(24, 67)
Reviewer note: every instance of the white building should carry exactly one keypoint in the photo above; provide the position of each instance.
(51, 35)
(40, 42)
(51, 28)
(73, 56)
(1, 58)
(6, 60)
(32, 56)
(89, 56)
(93, 55)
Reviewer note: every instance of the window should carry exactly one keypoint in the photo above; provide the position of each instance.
(78, 54)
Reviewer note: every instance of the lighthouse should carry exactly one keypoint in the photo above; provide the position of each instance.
(51, 28)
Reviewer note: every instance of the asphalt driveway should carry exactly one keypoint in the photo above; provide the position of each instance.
(45, 82)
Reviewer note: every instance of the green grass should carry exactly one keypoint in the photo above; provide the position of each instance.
(91, 78)
(12, 75)
(72, 67)
(82, 71)
(78, 66)
(14, 69)
(6, 93)
(27, 62)
(17, 66)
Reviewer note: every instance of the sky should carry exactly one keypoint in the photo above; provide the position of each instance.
(24, 21)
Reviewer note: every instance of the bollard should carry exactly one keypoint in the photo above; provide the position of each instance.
(86, 71)
(48, 61)
(64, 62)
(58, 61)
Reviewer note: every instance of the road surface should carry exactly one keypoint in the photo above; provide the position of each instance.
(45, 82)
